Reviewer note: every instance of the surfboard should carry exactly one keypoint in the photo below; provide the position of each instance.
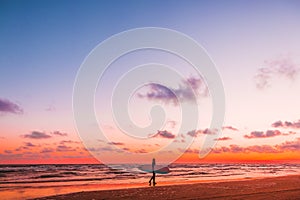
(157, 169)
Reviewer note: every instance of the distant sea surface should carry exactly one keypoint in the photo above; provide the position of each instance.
(30, 181)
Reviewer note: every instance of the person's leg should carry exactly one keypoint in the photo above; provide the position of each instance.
(154, 183)
(150, 181)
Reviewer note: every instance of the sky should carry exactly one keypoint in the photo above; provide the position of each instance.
(254, 45)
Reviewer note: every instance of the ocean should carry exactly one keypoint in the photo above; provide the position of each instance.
(31, 181)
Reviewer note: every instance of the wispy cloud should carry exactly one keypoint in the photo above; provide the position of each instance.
(50, 108)
(7, 106)
(171, 123)
(186, 91)
(36, 135)
(230, 128)
(286, 124)
(280, 67)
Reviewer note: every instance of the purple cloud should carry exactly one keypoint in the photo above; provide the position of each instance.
(164, 134)
(287, 124)
(290, 145)
(277, 124)
(159, 93)
(37, 135)
(59, 133)
(192, 133)
(283, 67)
(209, 131)
(7, 106)
(29, 144)
(195, 133)
(261, 134)
(185, 92)
(26, 146)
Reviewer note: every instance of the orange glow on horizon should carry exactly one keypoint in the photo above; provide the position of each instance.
(286, 157)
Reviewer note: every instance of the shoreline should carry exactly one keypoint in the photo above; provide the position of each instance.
(281, 187)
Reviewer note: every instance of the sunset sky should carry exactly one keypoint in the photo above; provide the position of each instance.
(254, 44)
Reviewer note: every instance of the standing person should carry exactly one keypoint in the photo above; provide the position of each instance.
(153, 171)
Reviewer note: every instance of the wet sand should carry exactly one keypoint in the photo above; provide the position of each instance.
(287, 187)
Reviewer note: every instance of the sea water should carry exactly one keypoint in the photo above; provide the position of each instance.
(30, 181)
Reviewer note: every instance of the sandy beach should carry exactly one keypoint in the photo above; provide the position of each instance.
(287, 187)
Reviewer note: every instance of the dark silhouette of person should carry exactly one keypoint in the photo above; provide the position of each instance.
(153, 171)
